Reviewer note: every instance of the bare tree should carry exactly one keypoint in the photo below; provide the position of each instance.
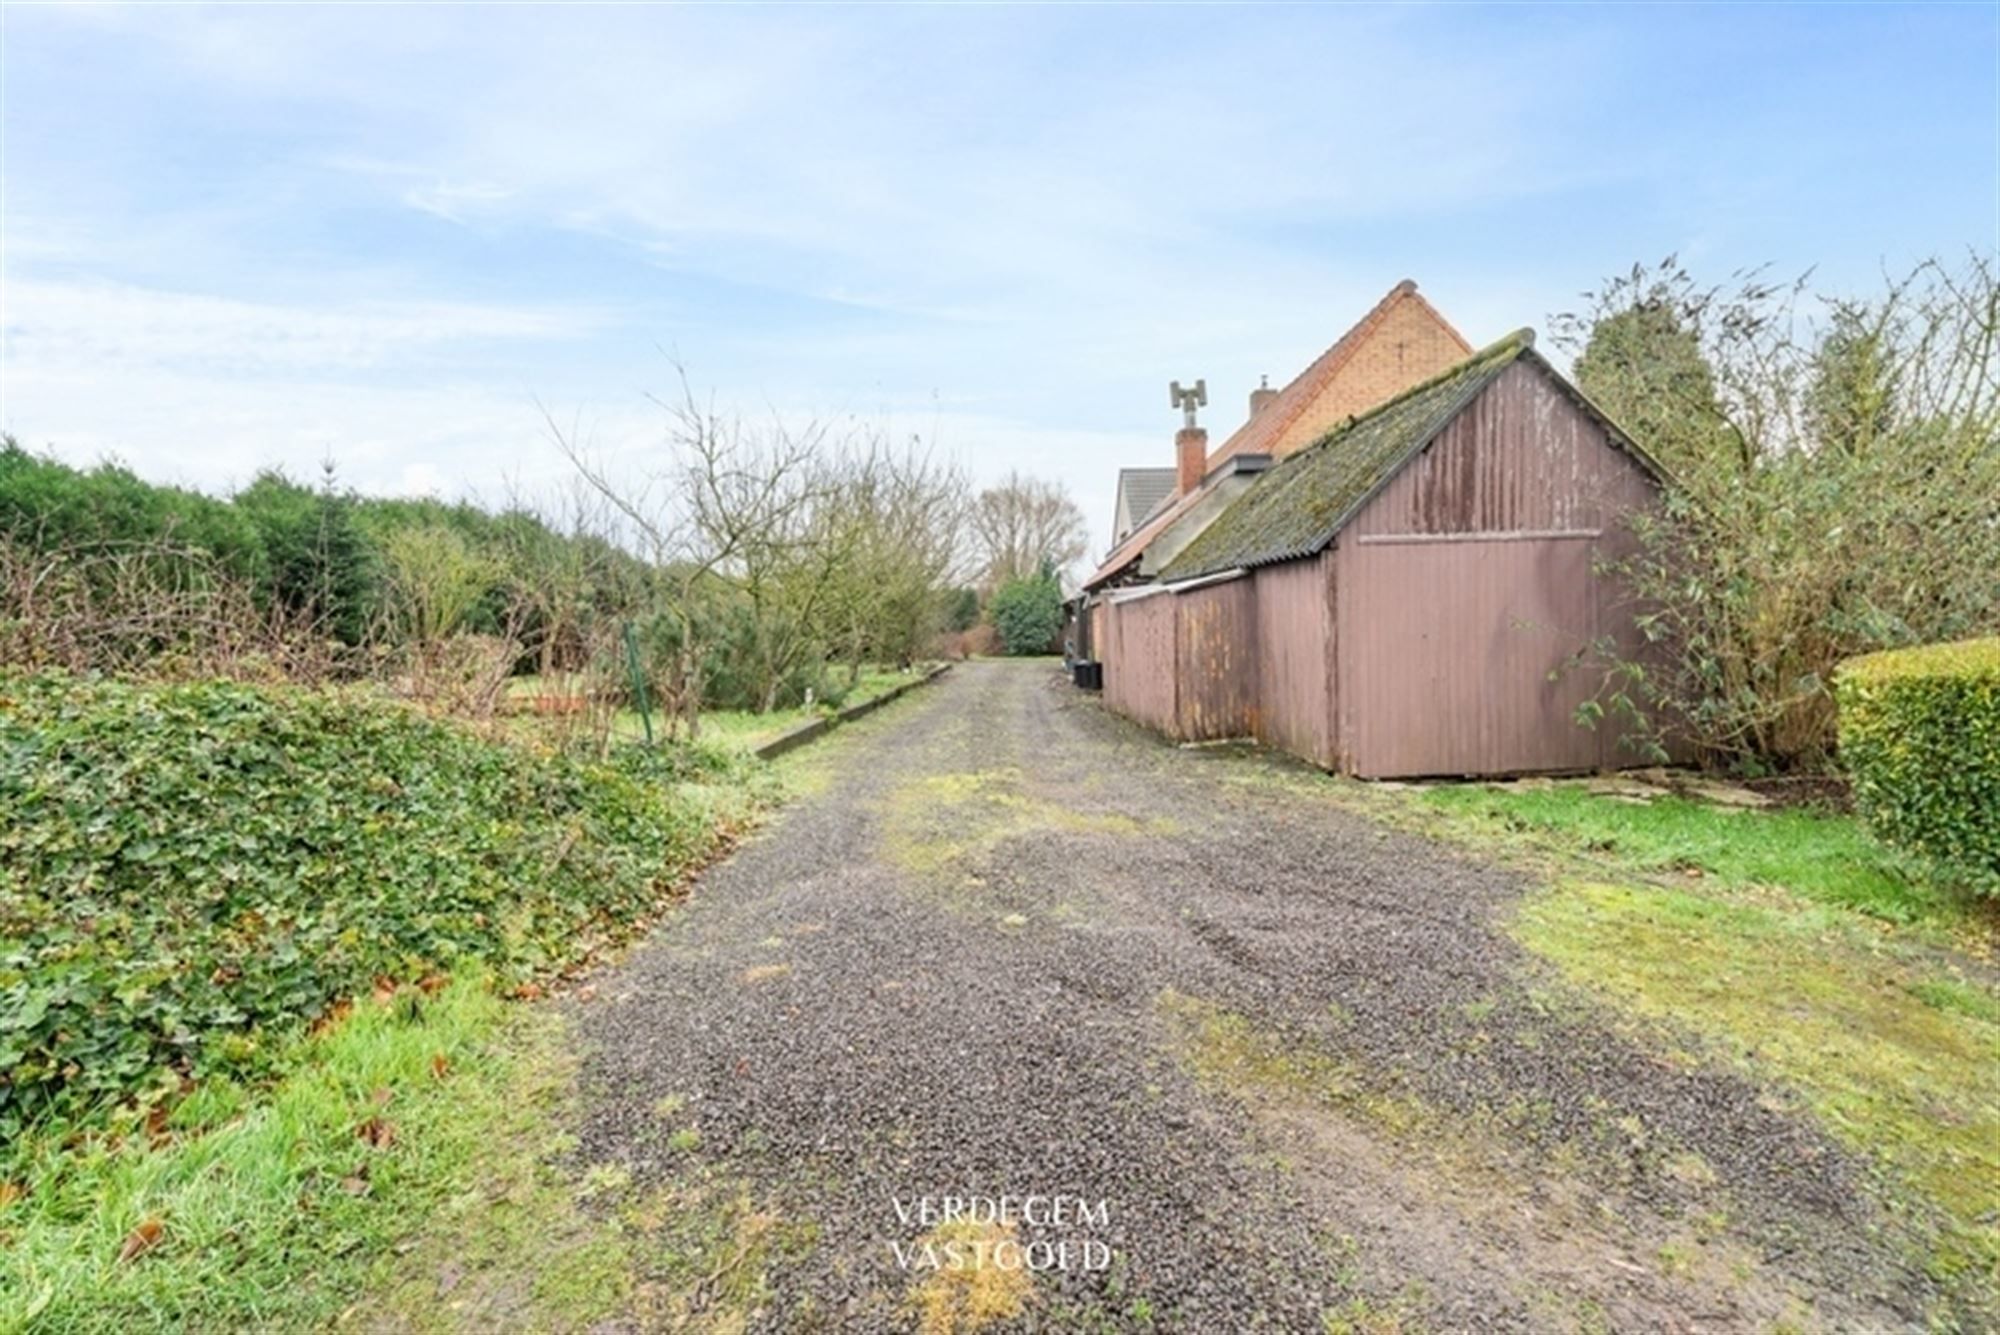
(729, 507)
(1022, 524)
(901, 515)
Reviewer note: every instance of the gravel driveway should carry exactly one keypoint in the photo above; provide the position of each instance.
(1262, 1065)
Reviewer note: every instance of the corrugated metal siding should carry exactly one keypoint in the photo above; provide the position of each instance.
(1294, 610)
(1218, 661)
(1519, 458)
(1425, 640)
(1448, 636)
(1140, 673)
(1185, 663)
(1447, 664)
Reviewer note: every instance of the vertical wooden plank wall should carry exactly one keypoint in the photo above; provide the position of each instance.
(1218, 661)
(1141, 673)
(1294, 669)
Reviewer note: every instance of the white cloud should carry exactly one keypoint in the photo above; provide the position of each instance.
(207, 390)
(1029, 218)
(107, 329)
(454, 202)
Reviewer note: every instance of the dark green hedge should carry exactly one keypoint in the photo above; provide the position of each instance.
(1920, 738)
(1028, 614)
(189, 872)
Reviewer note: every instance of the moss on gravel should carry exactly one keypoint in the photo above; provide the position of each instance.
(938, 821)
(969, 1290)
(1819, 960)
(1885, 1066)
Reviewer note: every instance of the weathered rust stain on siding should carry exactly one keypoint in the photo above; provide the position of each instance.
(1218, 661)
(1294, 615)
(1521, 458)
(1140, 670)
(1185, 663)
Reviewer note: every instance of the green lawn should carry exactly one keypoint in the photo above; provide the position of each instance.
(1822, 855)
(744, 730)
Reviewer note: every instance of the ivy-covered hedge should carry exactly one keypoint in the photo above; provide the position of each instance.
(1920, 738)
(189, 873)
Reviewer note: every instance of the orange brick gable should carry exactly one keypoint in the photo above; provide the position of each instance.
(1407, 343)
(1401, 342)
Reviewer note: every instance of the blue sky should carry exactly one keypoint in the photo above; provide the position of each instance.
(253, 235)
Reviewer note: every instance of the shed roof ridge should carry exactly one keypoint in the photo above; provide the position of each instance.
(1381, 446)
(1293, 400)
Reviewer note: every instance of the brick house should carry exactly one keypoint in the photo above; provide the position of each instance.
(1408, 595)
(1400, 342)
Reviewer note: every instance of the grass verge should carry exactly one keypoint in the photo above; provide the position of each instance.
(743, 730)
(1895, 1058)
(271, 1211)
(410, 1174)
(1822, 856)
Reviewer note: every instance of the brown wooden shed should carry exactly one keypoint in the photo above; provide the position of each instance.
(1403, 598)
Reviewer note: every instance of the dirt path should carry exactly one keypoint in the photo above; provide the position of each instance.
(1295, 1072)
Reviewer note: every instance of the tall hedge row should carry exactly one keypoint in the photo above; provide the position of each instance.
(299, 547)
(1920, 738)
(190, 872)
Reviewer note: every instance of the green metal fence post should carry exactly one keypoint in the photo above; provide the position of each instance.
(638, 681)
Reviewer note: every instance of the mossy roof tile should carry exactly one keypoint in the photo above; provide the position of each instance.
(1297, 507)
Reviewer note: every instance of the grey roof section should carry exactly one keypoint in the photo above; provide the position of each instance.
(1140, 492)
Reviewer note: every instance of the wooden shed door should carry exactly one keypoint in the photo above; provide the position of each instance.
(1448, 647)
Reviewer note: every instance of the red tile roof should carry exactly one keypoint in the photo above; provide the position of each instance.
(1266, 428)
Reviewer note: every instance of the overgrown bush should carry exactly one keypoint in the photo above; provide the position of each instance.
(52, 507)
(1920, 737)
(148, 608)
(1028, 614)
(1833, 488)
(188, 872)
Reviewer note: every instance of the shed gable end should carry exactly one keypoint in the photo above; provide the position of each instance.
(1522, 457)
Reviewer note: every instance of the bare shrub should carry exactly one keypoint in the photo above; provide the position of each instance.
(773, 546)
(151, 609)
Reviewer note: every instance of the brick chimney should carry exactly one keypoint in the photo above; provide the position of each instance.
(1190, 442)
(1191, 457)
(1260, 397)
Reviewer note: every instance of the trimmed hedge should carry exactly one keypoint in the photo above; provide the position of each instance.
(1920, 737)
(189, 873)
